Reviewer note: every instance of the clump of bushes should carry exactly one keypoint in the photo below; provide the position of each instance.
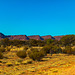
(1, 55)
(35, 54)
(56, 49)
(34, 49)
(53, 48)
(46, 49)
(67, 50)
(21, 54)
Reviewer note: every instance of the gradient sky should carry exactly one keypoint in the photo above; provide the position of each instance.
(37, 17)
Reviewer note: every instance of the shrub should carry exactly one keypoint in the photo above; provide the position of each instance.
(21, 54)
(36, 55)
(2, 49)
(46, 49)
(1, 55)
(56, 49)
(67, 50)
(34, 49)
(52, 49)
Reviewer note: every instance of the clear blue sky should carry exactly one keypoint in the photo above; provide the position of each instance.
(37, 17)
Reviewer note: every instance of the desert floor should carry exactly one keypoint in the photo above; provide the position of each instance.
(57, 64)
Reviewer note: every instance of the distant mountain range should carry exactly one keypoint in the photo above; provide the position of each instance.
(24, 37)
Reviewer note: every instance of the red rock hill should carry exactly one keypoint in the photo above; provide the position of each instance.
(36, 37)
(47, 37)
(58, 37)
(24, 37)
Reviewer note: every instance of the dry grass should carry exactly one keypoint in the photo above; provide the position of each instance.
(57, 64)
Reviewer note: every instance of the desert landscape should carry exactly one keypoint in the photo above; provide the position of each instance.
(37, 37)
(37, 57)
(57, 64)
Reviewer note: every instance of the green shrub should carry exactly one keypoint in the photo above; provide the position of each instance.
(2, 49)
(46, 49)
(34, 49)
(21, 54)
(67, 50)
(56, 49)
(1, 55)
(52, 49)
(36, 55)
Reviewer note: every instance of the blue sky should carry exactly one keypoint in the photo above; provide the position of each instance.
(37, 17)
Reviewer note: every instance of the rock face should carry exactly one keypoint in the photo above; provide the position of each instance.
(24, 37)
(18, 37)
(47, 37)
(58, 37)
(36, 37)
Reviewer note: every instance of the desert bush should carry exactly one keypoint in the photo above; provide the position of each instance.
(1, 55)
(2, 49)
(34, 49)
(52, 49)
(36, 55)
(68, 40)
(67, 50)
(46, 49)
(56, 49)
(21, 54)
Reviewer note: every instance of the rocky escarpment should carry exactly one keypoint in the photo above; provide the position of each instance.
(24, 37)
(47, 37)
(58, 37)
(36, 37)
(18, 37)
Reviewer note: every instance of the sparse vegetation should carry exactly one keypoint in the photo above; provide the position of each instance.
(46, 52)
(35, 54)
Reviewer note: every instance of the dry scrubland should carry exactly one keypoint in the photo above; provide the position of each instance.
(57, 64)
